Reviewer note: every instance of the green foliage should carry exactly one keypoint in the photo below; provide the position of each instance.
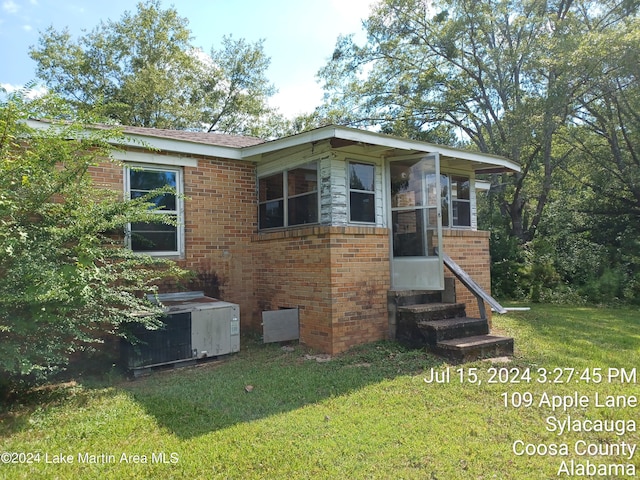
(143, 70)
(233, 91)
(539, 268)
(553, 86)
(577, 258)
(506, 266)
(496, 73)
(65, 280)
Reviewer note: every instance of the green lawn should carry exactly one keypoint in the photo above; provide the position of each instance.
(366, 414)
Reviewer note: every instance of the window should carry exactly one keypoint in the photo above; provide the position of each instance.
(271, 200)
(302, 188)
(456, 201)
(289, 198)
(460, 201)
(362, 198)
(156, 238)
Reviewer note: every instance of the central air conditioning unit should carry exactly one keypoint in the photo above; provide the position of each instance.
(196, 327)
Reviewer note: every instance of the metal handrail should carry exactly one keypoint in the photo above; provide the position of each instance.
(476, 289)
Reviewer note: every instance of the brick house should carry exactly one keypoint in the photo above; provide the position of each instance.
(330, 221)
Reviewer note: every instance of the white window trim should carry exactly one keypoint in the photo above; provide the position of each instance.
(371, 192)
(179, 253)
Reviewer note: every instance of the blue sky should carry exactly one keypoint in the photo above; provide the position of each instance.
(299, 35)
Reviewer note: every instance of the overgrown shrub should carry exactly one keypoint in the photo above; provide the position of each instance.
(507, 266)
(64, 280)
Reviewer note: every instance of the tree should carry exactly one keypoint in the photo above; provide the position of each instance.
(500, 74)
(605, 136)
(65, 280)
(607, 120)
(144, 71)
(234, 90)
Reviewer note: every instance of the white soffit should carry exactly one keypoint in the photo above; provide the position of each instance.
(483, 186)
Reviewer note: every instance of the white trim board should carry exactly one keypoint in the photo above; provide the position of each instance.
(151, 158)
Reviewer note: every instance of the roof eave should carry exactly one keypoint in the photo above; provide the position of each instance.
(484, 161)
(183, 147)
(179, 146)
(481, 163)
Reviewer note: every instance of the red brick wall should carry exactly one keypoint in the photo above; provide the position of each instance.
(292, 270)
(220, 217)
(108, 175)
(360, 281)
(337, 276)
(470, 250)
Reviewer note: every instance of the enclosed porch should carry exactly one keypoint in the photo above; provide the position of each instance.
(347, 216)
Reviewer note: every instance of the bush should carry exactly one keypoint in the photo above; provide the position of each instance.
(64, 281)
(507, 267)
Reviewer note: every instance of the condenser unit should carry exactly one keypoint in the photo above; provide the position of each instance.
(196, 327)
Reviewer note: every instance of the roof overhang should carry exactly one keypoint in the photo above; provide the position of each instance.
(179, 146)
(159, 143)
(339, 137)
(389, 146)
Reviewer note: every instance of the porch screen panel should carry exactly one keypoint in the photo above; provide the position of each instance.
(409, 239)
(444, 196)
(414, 198)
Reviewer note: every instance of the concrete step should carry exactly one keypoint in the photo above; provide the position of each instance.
(425, 312)
(408, 316)
(473, 348)
(413, 297)
(436, 331)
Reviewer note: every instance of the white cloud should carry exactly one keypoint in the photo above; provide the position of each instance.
(298, 98)
(35, 92)
(9, 88)
(349, 15)
(10, 6)
(298, 91)
(357, 9)
(27, 28)
(201, 56)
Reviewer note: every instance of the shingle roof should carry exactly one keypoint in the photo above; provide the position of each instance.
(252, 149)
(219, 139)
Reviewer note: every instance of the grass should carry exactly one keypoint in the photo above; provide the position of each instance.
(365, 414)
